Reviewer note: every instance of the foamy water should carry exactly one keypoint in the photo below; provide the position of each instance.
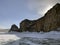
(30, 38)
(5, 38)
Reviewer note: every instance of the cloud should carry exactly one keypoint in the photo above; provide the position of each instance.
(41, 6)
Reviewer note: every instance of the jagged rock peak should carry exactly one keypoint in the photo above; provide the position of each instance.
(54, 9)
(58, 4)
(25, 20)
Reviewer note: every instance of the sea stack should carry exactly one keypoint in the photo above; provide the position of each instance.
(14, 28)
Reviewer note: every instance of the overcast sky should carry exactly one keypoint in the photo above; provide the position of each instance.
(14, 11)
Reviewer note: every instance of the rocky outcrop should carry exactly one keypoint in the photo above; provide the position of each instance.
(14, 28)
(26, 24)
(52, 18)
(50, 21)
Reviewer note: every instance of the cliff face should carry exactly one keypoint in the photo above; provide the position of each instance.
(49, 22)
(52, 18)
(26, 24)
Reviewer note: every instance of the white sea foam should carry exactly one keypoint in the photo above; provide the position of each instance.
(25, 38)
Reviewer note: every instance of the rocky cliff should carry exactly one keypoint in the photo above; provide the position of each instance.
(50, 21)
(26, 24)
(52, 18)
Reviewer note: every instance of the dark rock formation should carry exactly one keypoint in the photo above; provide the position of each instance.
(14, 28)
(50, 21)
(26, 24)
(52, 18)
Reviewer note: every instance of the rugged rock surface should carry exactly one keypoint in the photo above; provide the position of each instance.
(52, 18)
(26, 24)
(50, 21)
(14, 28)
